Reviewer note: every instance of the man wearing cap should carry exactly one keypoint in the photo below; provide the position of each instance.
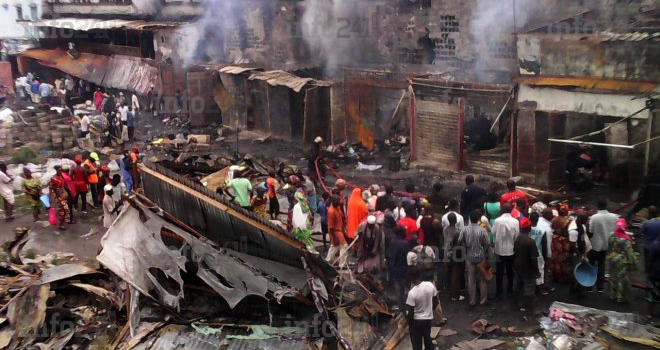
(372, 247)
(110, 208)
(525, 266)
(7, 192)
(92, 176)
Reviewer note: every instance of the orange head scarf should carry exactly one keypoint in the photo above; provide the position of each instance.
(357, 212)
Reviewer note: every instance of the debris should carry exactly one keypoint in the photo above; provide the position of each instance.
(482, 326)
(6, 336)
(92, 231)
(369, 167)
(159, 272)
(262, 140)
(27, 311)
(56, 343)
(63, 272)
(479, 344)
(447, 332)
(199, 138)
(103, 293)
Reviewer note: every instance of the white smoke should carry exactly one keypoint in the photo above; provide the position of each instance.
(333, 29)
(493, 26)
(206, 39)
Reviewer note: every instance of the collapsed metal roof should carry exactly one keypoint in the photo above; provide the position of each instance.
(151, 254)
(121, 72)
(275, 77)
(87, 24)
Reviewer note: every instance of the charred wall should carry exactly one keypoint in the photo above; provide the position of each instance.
(559, 55)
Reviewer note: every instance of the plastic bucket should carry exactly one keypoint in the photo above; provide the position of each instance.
(585, 274)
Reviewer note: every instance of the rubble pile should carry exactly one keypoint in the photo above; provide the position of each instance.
(158, 288)
(42, 129)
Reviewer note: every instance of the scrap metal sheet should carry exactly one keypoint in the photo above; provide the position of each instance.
(135, 249)
(282, 78)
(130, 73)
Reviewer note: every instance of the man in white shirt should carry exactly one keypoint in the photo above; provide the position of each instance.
(453, 208)
(601, 227)
(580, 246)
(422, 300)
(135, 105)
(506, 229)
(545, 224)
(84, 126)
(7, 192)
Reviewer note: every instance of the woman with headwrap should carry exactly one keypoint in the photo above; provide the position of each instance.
(32, 190)
(622, 261)
(560, 263)
(59, 194)
(357, 213)
(301, 219)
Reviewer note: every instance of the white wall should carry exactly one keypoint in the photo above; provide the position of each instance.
(9, 28)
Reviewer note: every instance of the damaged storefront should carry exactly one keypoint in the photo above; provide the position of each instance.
(560, 128)
(464, 125)
(276, 103)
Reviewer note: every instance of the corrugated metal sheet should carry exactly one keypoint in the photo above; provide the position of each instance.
(236, 70)
(173, 337)
(86, 24)
(436, 130)
(129, 73)
(282, 78)
(635, 36)
(589, 83)
(121, 72)
(201, 209)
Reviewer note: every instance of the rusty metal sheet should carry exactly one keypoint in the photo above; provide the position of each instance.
(589, 83)
(236, 70)
(282, 78)
(129, 73)
(89, 67)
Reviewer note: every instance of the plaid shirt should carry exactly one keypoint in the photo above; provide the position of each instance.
(476, 243)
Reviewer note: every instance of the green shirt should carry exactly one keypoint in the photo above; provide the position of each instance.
(241, 187)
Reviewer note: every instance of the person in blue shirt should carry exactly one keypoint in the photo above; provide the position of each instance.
(322, 210)
(34, 90)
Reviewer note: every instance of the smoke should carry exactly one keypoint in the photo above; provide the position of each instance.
(493, 25)
(334, 30)
(206, 39)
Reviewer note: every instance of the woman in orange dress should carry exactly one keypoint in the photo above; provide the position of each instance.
(357, 212)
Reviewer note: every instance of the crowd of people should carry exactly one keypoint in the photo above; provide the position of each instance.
(411, 241)
(88, 184)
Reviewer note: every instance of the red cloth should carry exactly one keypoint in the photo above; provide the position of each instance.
(512, 196)
(69, 184)
(271, 182)
(411, 227)
(357, 212)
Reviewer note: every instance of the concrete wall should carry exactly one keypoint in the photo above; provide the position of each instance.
(31, 9)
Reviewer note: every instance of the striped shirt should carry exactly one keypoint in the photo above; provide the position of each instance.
(476, 243)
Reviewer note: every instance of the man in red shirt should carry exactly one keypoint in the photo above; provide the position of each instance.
(411, 227)
(512, 195)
